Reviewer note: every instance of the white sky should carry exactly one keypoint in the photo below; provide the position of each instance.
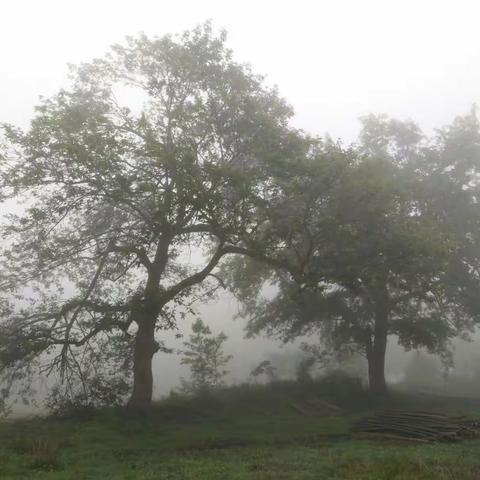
(333, 60)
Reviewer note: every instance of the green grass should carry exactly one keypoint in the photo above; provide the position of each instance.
(243, 433)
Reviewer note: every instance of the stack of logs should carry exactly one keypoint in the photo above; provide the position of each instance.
(417, 426)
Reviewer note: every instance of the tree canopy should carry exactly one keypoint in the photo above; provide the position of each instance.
(161, 148)
(365, 257)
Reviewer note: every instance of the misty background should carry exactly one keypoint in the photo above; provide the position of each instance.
(333, 61)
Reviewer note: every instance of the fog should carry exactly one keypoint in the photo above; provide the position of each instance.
(333, 61)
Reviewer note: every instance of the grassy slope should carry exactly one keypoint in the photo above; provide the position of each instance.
(248, 433)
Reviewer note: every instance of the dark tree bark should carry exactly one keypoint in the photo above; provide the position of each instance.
(144, 349)
(376, 365)
(377, 343)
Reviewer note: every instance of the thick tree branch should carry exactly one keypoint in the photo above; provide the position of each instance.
(139, 252)
(196, 277)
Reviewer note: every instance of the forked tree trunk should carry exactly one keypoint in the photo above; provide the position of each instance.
(144, 349)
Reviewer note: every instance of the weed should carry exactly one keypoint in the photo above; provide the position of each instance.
(44, 454)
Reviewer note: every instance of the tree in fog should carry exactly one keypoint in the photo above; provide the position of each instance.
(204, 354)
(450, 194)
(136, 181)
(358, 258)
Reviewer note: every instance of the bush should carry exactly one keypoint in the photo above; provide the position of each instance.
(77, 404)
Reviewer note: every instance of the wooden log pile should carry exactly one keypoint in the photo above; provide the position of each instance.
(416, 426)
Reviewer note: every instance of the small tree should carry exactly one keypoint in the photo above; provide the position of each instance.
(206, 359)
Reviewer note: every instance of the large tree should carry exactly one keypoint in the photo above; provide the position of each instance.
(152, 162)
(359, 259)
(449, 172)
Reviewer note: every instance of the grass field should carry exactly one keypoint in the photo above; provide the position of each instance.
(243, 433)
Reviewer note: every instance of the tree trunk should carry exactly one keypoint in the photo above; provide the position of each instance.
(376, 366)
(144, 349)
(377, 346)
